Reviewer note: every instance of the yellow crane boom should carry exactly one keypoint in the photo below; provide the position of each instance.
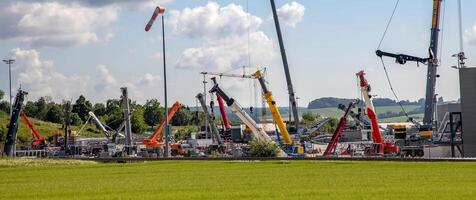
(274, 109)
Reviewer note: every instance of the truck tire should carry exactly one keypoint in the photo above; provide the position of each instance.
(420, 153)
(413, 153)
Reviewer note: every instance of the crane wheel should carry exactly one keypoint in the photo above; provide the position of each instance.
(420, 153)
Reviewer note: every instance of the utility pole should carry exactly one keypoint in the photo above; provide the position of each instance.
(10, 62)
(292, 98)
(160, 11)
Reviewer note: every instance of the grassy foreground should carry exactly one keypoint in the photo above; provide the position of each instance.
(237, 180)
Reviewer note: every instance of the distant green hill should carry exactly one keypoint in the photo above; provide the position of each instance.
(333, 102)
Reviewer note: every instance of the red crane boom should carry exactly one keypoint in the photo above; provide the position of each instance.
(379, 146)
(38, 139)
(221, 105)
(338, 132)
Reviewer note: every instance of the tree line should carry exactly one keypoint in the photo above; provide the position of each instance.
(143, 118)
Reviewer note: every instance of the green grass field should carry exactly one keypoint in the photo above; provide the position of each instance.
(237, 180)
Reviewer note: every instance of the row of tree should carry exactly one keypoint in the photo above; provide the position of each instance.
(144, 117)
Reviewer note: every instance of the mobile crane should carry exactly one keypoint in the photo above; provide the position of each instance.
(292, 97)
(338, 131)
(258, 133)
(38, 140)
(236, 108)
(379, 146)
(221, 105)
(425, 129)
(213, 127)
(110, 134)
(156, 139)
(286, 137)
(101, 126)
(9, 148)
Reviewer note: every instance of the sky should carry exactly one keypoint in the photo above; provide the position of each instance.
(67, 48)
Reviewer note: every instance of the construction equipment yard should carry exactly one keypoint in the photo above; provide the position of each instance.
(256, 112)
(238, 180)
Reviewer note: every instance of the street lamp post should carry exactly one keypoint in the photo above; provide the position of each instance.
(160, 11)
(10, 62)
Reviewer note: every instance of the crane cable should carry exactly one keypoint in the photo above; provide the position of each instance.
(393, 91)
(388, 24)
(383, 63)
(442, 32)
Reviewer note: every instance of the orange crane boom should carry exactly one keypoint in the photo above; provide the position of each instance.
(38, 139)
(156, 139)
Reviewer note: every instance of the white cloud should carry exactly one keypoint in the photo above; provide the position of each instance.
(225, 32)
(54, 24)
(105, 78)
(470, 34)
(213, 22)
(157, 56)
(39, 77)
(229, 54)
(59, 23)
(291, 14)
(109, 36)
(150, 80)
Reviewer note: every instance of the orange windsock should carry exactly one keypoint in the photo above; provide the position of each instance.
(158, 10)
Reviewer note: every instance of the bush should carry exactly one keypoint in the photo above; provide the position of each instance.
(5, 106)
(137, 121)
(263, 149)
(76, 120)
(54, 114)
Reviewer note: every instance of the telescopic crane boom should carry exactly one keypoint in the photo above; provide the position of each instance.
(211, 124)
(101, 126)
(432, 61)
(380, 146)
(292, 98)
(156, 139)
(227, 75)
(338, 132)
(38, 139)
(274, 109)
(221, 105)
(236, 108)
(10, 141)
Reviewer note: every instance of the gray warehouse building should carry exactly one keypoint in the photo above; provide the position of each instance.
(468, 108)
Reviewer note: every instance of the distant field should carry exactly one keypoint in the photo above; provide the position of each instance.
(418, 117)
(238, 180)
(336, 113)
